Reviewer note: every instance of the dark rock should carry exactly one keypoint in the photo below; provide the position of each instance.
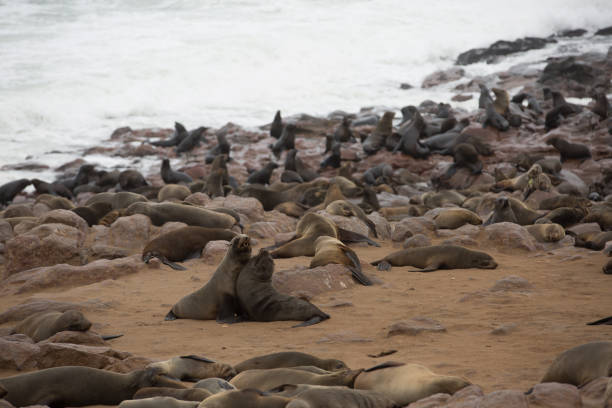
(502, 48)
(604, 31)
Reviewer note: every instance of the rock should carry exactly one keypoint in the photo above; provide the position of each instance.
(76, 337)
(45, 245)
(466, 397)
(501, 48)
(198, 199)
(250, 207)
(283, 237)
(63, 275)
(579, 32)
(99, 251)
(461, 97)
(572, 184)
(416, 241)
(65, 217)
(383, 228)
(129, 364)
(508, 236)
(411, 226)
(604, 31)
(503, 329)
(554, 395)
(442, 77)
(214, 251)
(274, 222)
(17, 355)
(504, 398)
(344, 337)
(65, 354)
(312, 282)
(579, 229)
(573, 77)
(511, 283)
(415, 326)
(386, 199)
(348, 223)
(132, 232)
(593, 393)
(433, 401)
(460, 240)
(6, 231)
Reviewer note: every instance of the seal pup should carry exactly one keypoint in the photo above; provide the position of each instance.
(214, 184)
(222, 147)
(329, 250)
(409, 142)
(494, 119)
(581, 364)
(286, 140)
(532, 102)
(173, 177)
(436, 257)
(289, 176)
(81, 178)
(407, 383)
(250, 398)
(464, 155)
(263, 175)
(183, 243)
(569, 150)
(285, 359)
(194, 368)
(173, 192)
(546, 232)
(485, 96)
(217, 299)
(312, 396)
(180, 133)
(453, 218)
(93, 213)
(131, 180)
(41, 326)
(9, 190)
(192, 140)
(343, 132)
(160, 402)
(275, 377)
(276, 128)
(379, 174)
(260, 302)
(376, 140)
(72, 386)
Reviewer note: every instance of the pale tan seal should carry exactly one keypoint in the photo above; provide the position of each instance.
(546, 232)
(119, 200)
(399, 213)
(285, 359)
(194, 368)
(79, 386)
(329, 250)
(41, 326)
(158, 402)
(436, 257)
(173, 192)
(250, 398)
(189, 394)
(217, 299)
(274, 377)
(581, 364)
(453, 218)
(315, 396)
(407, 383)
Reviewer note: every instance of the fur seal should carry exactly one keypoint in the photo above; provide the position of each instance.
(569, 150)
(292, 162)
(343, 133)
(563, 200)
(485, 97)
(173, 192)
(93, 213)
(494, 119)
(274, 377)
(409, 138)
(285, 359)
(173, 177)
(42, 187)
(532, 102)
(546, 232)
(376, 139)
(436, 257)
(313, 396)
(289, 176)
(194, 368)
(161, 213)
(501, 103)
(192, 140)
(250, 398)
(286, 141)
(437, 199)
(71, 386)
(260, 302)
(214, 385)
(41, 326)
(214, 184)
(131, 180)
(345, 208)
(159, 402)
(329, 250)
(217, 299)
(276, 128)
(183, 243)
(607, 269)
(334, 160)
(595, 241)
(222, 147)
(118, 201)
(378, 174)
(180, 133)
(9, 190)
(565, 216)
(465, 155)
(291, 209)
(581, 364)
(399, 213)
(453, 218)
(407, 383)
(263, 175)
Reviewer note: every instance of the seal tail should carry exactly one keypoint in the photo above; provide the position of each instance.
(311, 321)
(605, 320)
(350, 236)
(110, 336)
(171, 316)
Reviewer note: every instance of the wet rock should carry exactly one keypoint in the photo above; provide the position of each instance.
(76, 337)
(409, 227)
(433, 401)
(64, 217)
(63, 275)
(132, 232)
(510, 284)
(461, 97)
(415, 326)
(214, 251)
(501, 48)
(554, 395)
(17, 355)
(442, 77)
(503, 329)
(383, 228)
(405, 85)
(573, 77)
(508, 236)
(460, 240)
(250, 207)
(99, 251)
(45, 245)
(604, 31)
(417, 241)
(198, 199)
(313, 282)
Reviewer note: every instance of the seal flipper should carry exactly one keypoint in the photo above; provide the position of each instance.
(171, 264)
(355, 269)
(311, 321)
(198, 358)
(386, 364)
(350, 236)
(229, 311)
(429, 268)
(171, 316)
(271, 247)
(110, 336)
(605, 320)
(194, 255)
(382, 265)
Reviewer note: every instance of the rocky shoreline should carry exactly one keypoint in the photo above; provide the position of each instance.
(47, 246)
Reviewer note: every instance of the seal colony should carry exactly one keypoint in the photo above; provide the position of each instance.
(524, 173)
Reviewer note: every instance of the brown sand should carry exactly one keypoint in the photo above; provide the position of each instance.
(569, 290)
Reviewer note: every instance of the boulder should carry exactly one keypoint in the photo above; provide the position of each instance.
(411, 226)
(508, 236)
(132, 232)
(312, 282)
(249, 207)
(415, 326)
(511, 283)
(214, 251)
(501, 48)
(442, 77)
(17, 355)
(554, 395)
(65, 217)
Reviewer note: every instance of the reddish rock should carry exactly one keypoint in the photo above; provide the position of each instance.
(65, 354)
(508, 236)
(6, 231)
(214, 251)
(442, 77)
(312, 282)
(131, 232)
(250, 207)
(274, 222)
(433, 401)
(554, 395)
(65, 217)
(415, 326)
(409, 227)
(17, 355)
(503, 399)
(198, 199)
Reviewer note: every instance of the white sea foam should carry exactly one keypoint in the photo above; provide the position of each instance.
(72, 71)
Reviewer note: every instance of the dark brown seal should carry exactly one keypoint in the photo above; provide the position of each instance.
(286, 359)
(43, 325)
(161, 213)
(376, 140)
(173, 177)
(263, 175)
(183, 243)
(217, 299)
(79, 386)
(569, 150)
(9, 190)
(437, 257)
(260, 302)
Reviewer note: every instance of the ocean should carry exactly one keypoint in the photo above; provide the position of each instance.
(72, 71)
